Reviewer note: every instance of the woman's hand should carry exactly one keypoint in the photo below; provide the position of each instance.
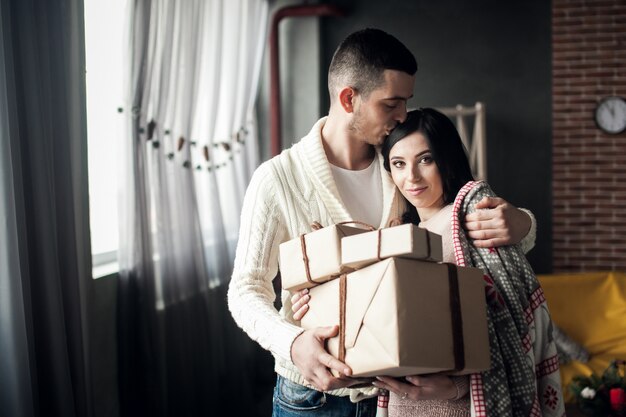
(419, 387)
(299, 304)
(397, 221)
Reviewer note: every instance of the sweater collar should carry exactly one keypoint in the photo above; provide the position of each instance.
(316, 162)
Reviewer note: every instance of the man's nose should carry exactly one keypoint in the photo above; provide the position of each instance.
(401, 116)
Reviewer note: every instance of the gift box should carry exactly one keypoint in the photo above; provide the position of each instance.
(404, 317)
(313, 258)
(405, 241)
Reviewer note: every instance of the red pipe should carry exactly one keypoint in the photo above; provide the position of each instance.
(275, 110)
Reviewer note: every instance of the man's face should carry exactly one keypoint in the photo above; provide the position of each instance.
(374, 117)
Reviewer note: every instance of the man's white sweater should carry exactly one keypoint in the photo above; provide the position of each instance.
(285, 195)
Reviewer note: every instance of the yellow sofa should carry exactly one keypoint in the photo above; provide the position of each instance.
(591, 309)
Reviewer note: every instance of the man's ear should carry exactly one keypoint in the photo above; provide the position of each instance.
(347, 97)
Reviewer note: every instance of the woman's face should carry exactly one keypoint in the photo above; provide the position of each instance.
(416, 175)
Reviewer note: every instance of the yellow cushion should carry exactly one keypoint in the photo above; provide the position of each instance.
(591, 309)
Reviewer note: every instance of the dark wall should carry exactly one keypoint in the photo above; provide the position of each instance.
(485, 50)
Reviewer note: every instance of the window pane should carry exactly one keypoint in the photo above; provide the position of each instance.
(104, 29)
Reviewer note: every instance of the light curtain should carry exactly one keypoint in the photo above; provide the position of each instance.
(194, 69)
(189, 150)
(45, 270)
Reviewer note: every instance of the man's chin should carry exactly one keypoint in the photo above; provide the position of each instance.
(376, 141)
(380, 141)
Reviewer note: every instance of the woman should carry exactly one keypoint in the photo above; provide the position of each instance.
(429, 174)
(428, 164)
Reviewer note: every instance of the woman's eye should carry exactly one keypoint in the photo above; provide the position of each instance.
(398, 164)
(426, 159)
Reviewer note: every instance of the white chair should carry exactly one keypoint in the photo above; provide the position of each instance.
(476, 145)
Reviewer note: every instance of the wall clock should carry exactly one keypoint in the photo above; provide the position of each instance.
(610, 115)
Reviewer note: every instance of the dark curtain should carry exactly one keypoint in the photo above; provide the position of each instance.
(185, 364)
(46, 228)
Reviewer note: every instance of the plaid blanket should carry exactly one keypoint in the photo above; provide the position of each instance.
(524, 377)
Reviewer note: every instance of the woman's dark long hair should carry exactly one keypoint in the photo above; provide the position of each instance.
(445, 146)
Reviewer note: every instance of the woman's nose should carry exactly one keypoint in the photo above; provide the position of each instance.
(415, 174)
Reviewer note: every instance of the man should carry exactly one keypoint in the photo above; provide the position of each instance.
(332, 175)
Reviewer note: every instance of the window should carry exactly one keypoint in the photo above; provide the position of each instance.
(104, 50)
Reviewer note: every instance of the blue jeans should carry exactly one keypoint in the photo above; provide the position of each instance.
(295, 400)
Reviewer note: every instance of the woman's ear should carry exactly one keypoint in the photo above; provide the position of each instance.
(347, 97)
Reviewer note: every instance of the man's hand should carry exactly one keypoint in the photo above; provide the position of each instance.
(313, 362)
(419, 387)
(502, 224)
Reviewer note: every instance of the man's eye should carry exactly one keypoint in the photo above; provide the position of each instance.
(391, 106)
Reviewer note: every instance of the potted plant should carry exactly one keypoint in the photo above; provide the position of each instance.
(602, 396)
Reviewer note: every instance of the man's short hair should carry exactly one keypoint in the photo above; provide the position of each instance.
(361, 59)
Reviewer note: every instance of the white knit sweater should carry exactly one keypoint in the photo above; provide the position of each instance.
(286, 194)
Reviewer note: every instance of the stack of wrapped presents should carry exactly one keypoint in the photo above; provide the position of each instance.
(400, 310)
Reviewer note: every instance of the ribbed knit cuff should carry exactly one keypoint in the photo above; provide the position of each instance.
(462, 383)
(529, 240)
(283, 339)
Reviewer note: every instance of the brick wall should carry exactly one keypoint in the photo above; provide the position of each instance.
(589, 167)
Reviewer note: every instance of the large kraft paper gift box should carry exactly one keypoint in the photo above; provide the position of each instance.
(398, 318)
(405, 241)
(318, 251)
